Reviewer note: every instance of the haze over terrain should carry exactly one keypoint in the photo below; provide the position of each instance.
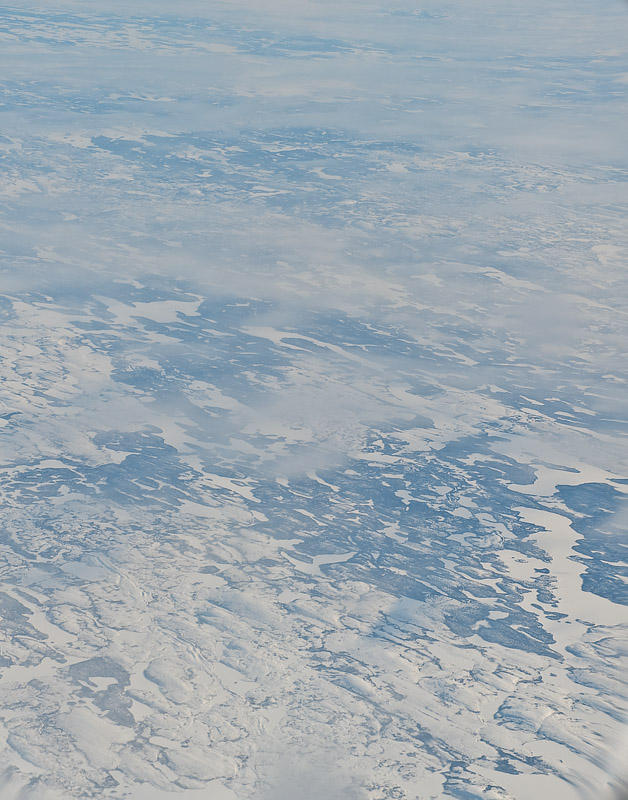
(313, 400)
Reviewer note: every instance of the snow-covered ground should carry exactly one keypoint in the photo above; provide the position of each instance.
(313, 394)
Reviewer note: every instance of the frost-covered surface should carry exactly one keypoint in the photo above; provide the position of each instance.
(313, 397)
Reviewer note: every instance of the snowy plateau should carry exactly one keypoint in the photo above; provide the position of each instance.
(313, 400)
